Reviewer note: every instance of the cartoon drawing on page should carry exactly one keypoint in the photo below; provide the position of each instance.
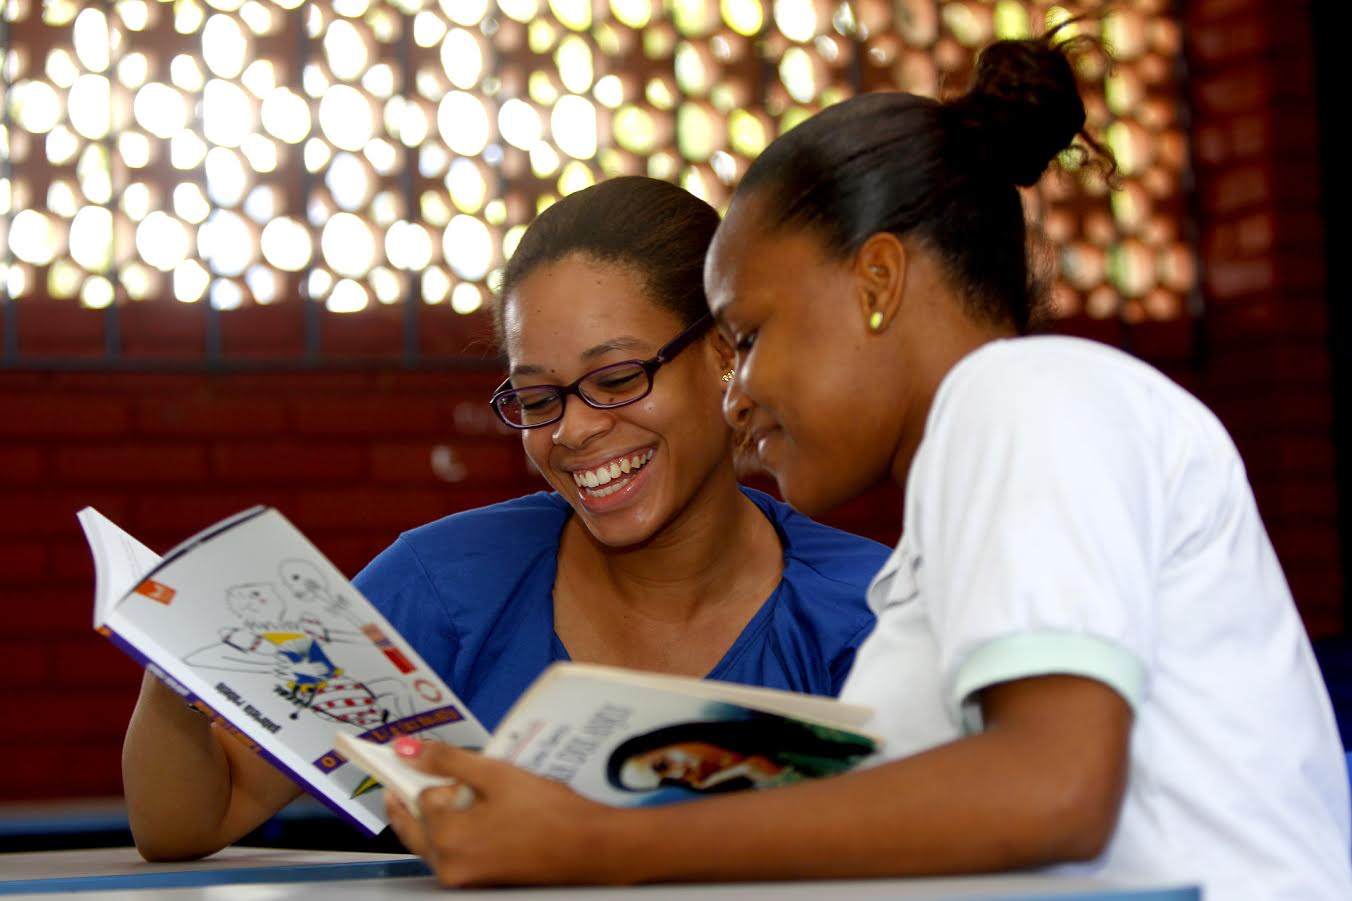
(307, 584)
(298, 653)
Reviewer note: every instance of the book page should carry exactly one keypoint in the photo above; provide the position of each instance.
(120, 560)
(628, 744)
(258, 624)
(786, 703)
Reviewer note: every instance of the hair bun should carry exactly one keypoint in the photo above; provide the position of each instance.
(1022, 108)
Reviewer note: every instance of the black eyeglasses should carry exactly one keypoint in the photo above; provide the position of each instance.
(606, 388)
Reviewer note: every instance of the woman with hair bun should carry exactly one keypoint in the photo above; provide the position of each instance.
(1087, 658)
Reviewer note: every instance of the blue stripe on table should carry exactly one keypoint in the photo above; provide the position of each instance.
(362, 869)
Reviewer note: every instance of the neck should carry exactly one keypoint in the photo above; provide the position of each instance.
(935, 356)
(690, 564)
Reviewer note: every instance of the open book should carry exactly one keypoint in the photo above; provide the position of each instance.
(257, 629)
(628, 738)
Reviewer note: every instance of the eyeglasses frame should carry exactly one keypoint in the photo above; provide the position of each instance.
(665, 354)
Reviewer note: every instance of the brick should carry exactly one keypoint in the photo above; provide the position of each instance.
(91, 659)
(349, 553)
(1230, 42)
(386, 509)
(163, 330)
(1262, 409)
(275, 332)
(365, 416)
(71, 563)
(1259, 319)
(115, 383)
(1240, 278)
(27, 662)
(445, 462)
(289, 461)
(1267, 455)
(1298, 545)
(1290, 363)
(1232, 91)
(466, 382)
(1203, 13)
(1236, 188)
(22, 464)
(52, 511)
(22, 563)
(180, 514)
(376, 334)
(1160, 342)
(41, 611)
(60, 328)
(53, 415)
(321, 382)
(209, 414)
(128, 463)
(55, 768)
(443, 334)
(97, 713)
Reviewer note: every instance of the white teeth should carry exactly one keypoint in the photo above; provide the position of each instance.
(597, 480)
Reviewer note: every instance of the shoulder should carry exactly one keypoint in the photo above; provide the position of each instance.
(523, 520)
(836, 562)
(1045, 377)
(465, 548)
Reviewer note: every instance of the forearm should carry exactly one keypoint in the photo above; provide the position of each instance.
(189, 793)
(977, 805)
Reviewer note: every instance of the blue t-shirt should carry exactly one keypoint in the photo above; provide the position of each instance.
(474, 594)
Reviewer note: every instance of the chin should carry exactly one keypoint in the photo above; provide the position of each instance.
(621, 529)
(812, 496)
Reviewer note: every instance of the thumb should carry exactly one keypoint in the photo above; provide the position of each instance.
(469, 767)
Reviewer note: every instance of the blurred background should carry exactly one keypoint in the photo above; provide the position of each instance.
(246, 249)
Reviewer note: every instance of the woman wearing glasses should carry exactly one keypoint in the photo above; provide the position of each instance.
(1086, 656)
(646, 554)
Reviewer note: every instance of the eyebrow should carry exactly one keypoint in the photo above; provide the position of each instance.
(624, 343)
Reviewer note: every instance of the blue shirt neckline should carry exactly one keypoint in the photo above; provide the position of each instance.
(750, 632)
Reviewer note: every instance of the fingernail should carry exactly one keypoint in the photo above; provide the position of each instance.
(407, 747)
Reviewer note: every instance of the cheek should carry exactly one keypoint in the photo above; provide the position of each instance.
(537, 444)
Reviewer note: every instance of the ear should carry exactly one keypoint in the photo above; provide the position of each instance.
(880, 273)
(721, 349)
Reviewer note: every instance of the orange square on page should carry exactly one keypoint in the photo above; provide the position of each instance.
(156, 591)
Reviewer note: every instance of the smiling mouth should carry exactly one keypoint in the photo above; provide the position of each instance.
(610, 477)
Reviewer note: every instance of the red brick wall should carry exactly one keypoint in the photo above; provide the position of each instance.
(1267, 369)
(353, 456)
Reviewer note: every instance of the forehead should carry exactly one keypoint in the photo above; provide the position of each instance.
(577, 302)
(749, 261)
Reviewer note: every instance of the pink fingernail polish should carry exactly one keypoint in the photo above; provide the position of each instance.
(407, 747)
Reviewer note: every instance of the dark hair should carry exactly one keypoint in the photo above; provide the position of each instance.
(764, 734)
(658, 229)
(943, 172)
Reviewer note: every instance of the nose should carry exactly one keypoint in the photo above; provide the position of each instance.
(736, 405)
(580, 423)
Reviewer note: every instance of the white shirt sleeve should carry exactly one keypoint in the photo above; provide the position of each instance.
(1037, 506)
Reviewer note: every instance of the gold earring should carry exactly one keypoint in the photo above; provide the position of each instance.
(875, 321)
(727, 376)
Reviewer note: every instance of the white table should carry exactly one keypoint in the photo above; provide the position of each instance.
(264, 874)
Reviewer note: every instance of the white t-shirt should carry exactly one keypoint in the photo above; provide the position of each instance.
(1072, 511)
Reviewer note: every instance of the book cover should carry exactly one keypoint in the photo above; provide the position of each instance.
(252, 625)
(631, 739)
